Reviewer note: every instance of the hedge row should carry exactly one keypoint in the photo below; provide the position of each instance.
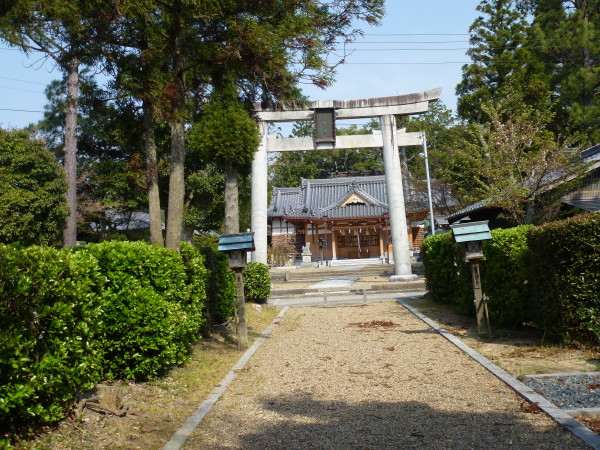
(566, 284)
(71, 318)
(548, 276)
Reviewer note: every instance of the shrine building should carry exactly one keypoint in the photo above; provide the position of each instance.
(341, 218)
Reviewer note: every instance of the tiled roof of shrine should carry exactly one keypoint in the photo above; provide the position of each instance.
(336, 198)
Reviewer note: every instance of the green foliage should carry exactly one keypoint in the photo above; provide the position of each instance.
(109, 155)
(504, 276)
(32, 191)
(220, 286)
(72, 317)
(548, 276)
(568, 31)
(448, 276)
(257, 282)
(513, 162)
(290, 167)
(565, 278)
(50, 308)
(225, 134)
(499, 57)
(151, 310)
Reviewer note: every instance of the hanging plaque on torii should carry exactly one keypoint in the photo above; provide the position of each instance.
(325, 126)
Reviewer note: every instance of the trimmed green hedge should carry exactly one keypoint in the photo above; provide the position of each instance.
(504, 276)
(566, 285)
(257, 282)
(50, 308)
(149, 314)
(447, 275)
(548, 276)
(72, 317)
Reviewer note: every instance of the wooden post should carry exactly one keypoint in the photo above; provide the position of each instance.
(480, 303)
(241, 328)
(334, 247)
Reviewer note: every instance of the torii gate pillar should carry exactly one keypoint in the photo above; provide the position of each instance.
(259, 197)
(385, 108)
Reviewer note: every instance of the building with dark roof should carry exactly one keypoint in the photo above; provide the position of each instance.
(340, 218)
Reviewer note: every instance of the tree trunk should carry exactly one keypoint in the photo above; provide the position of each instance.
(70, 150)
(176, 187)
(176, 177)
(232, 226)
(156, 236)
(232, 216)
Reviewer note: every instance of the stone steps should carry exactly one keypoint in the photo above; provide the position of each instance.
(404, 286)
(320, 274)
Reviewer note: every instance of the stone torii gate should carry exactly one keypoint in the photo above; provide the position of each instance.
(324, 114)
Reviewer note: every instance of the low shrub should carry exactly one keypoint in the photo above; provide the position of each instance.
(50, 305)
(257, 282)
(448, 277)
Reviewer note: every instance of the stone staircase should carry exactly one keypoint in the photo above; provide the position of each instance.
(352, 270)
(281, 277)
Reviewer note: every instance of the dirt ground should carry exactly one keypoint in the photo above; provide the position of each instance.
(156, 409)
(519, 352)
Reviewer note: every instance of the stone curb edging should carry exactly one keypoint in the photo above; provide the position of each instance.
(557, 414)
(185, 431)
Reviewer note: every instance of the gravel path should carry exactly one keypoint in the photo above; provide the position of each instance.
(369, 377)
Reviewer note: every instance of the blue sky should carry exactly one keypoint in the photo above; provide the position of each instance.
(421, 45)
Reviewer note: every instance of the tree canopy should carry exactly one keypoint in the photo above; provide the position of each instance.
(32, 191)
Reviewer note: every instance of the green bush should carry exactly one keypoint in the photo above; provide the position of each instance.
(50, 304)
(447, 275)
(565, 278)
(257, 282)
(504, 276)
(220, 286)
(150, 313)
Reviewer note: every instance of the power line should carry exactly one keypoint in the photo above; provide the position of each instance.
(416, 34)
(406, 63)
(23, 81)
(20, 110)
(410, 42)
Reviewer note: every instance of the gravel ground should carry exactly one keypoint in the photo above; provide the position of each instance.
(369, 377)
(572, 391)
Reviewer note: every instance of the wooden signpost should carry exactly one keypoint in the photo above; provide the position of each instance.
(472, 235)
(237, 247)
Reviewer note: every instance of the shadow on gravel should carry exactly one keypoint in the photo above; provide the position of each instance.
(311, 423)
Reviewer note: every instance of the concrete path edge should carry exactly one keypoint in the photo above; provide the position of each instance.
(557, 414)
(186, 430)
